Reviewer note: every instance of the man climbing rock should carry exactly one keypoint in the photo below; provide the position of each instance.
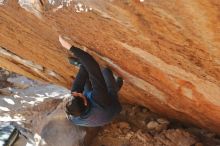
(95, 101)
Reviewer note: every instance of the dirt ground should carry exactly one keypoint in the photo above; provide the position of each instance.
(138, 126)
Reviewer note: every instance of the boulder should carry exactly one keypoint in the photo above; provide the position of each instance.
(166, 51)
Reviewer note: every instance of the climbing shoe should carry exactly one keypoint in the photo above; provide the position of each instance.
(74, 61)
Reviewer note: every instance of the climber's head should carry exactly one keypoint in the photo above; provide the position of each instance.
(76, 106)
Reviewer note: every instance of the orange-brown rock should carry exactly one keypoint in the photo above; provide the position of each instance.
(167, 51)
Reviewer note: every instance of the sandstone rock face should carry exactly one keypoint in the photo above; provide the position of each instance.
(167, 51)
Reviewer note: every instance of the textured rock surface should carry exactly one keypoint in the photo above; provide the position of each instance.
(133, 130)
(167, 51)
(46, 124)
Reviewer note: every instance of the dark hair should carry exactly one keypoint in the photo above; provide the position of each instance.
(75, 107)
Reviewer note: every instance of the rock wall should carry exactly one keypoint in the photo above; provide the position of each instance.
(167, 51)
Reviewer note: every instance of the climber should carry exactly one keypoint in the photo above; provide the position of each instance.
(95, 101)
